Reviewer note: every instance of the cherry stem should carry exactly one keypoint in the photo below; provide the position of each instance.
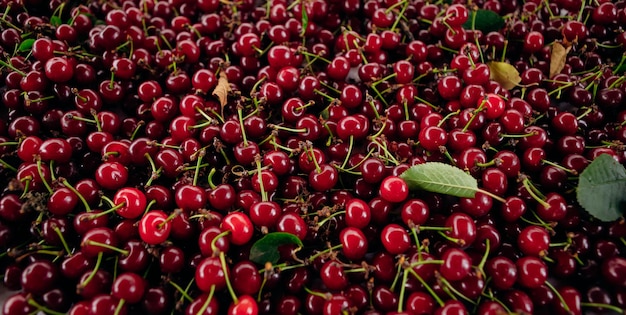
(379, 95)
(345, 160)
(58, 232)
(80, 196)
(483, 260)
(443, 120)
(533, 192)
(257, 160)
(207, 301)
(41, 308)
(201, 154)
(7, 166)
(119, 306)
(602, 305)
(321, 223)
(136, 131)
(10, 66)
(426, 286)
(400, 15)
(210, 178)
(318, 294)
(490, 194)
(228, 285)
(328, 250)
(155, 172)
(243, 129)
(107, 246)
(169, 218)
(43, 178)
(454, 291)
(558, 295)
(93, 272)
(179, 289)
(401, 261)
(215, 239)
(452, 239)
(561, 167)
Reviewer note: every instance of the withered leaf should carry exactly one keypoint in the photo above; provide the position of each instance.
(558, 57)
(504, 73)
(221, 89)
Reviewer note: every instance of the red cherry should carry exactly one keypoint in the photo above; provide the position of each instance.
(240, 227)
(394, 189)
(154, 228)
(133, 200)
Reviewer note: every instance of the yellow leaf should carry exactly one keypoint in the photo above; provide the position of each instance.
(504, 73)
(221, 89)
(558, 58)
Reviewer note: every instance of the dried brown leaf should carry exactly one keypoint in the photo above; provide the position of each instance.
(221, 89)
(504, 73)
(558, 57)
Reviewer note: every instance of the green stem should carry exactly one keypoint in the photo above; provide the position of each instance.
(8, 166)
(428, 288)
(43, 178)
(228, 285)
(207, 302)
(605, 306)
(107, 246)
(179, 289)
(93, 272)
(558, 295)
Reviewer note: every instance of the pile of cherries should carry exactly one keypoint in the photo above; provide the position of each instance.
(145, 146)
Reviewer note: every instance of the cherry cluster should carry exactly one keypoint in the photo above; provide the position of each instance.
(145, 147)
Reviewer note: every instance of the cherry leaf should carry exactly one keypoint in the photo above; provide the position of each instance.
(266, 249)
(440, 178)
(504, 73)
(484, 20)
(26, 45)
(601, 187)
(558, 56)
(221, 89)
(55, 20)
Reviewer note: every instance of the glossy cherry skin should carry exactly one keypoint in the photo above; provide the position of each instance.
(154, 227)
(240, 226)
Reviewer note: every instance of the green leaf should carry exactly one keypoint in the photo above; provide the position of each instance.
(440, 178)
(266, 249)
(55, 21)
(602, 188)
(26, 45)
(484, 20)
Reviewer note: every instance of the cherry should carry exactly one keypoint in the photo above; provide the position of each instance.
(462, 228)
(333, 275)
(395, 239)
(154, 227)
(533, 240)
(354, 243)
(129, 287)
(240, 227)
(456, 264)
(394, 189)
(111, 175)
(532, 272)
(503, 272)
(246, 305)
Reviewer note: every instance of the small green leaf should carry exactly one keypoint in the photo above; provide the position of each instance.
(266, 249)
(26, 45)
(55, 21)
(484, 20)
(440, 178)
(601, 188)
